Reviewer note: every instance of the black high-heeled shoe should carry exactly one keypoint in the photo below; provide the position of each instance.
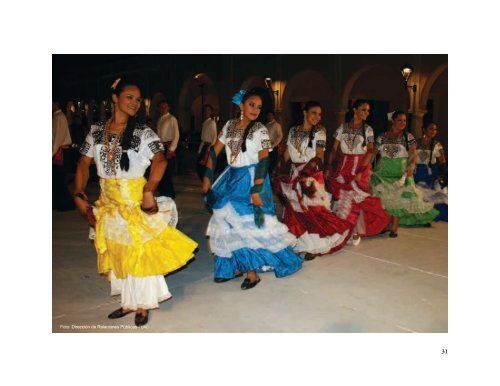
(118, 313)
(393, 234)
(247, 284)
(140, 319)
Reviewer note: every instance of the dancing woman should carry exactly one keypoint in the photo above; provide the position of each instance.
(430, 173)
(349, 184)
(136, 243)
(392, 177)
(306, 202)
(245, 235)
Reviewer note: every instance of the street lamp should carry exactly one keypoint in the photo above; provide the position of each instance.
(269, 86)
(406, 71)
(202, 98)
(202, 85)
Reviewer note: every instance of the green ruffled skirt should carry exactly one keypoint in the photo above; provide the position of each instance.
(399, 196)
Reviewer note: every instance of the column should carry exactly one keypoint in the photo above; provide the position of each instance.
(417, 120)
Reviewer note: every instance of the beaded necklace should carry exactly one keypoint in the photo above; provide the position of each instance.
(110, 149)
(235, 146)
(297, 140)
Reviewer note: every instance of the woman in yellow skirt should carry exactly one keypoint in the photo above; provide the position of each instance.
(135, 241)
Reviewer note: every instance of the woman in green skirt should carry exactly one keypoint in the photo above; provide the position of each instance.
(392, 178)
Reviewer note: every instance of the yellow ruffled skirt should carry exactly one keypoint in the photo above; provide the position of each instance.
(130, 242)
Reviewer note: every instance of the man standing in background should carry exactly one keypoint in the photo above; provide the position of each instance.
(168, 131)
(61, 138)
(276, 136)
(208, 138)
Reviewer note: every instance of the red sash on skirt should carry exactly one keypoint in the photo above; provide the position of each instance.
(307, 207)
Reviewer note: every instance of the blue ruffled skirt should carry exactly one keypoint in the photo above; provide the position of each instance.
(426, 180)
(237, 243)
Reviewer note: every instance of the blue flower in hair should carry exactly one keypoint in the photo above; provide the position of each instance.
(238, 97)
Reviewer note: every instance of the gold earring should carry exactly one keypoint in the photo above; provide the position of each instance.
(241, 115)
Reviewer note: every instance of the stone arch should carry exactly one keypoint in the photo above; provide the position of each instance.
(377, 82)
(190, 102)
(429, 83)
(436, 89)
(303, 86)
(346, 92)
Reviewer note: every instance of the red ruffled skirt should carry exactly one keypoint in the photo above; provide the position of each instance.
(306, 212)
(353, 200)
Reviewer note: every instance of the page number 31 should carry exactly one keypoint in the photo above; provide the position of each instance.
(444, 351)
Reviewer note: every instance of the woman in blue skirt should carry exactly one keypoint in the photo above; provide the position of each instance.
(245, 235)
(431, 174)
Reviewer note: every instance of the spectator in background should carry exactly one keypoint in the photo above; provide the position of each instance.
(276, 136)
(208, 138)
(168, 131)
(61, 138)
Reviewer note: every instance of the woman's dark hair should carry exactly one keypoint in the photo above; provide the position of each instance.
(358, 103)
(308, 106)
(433, 141)
(249, 93)
(163, 101)
(430, 123)
(396, 114)
(128, 133)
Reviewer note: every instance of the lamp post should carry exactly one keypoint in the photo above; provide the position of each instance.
(276, 93)
(202, 86)
(202, 99)
(406, 71)
(416, 114)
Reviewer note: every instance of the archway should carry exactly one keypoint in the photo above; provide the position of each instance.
(435, 93)
(303, 86)
(430, 83)
(381, 85)
(197, 90)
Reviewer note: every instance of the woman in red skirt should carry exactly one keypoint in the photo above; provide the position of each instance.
(349, 184)
(306, 203)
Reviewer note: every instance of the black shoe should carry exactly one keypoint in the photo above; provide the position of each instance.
(309, 256)
(141, 320)
(393, 234)
(223, 279)
(118, 314)
(247, 284)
